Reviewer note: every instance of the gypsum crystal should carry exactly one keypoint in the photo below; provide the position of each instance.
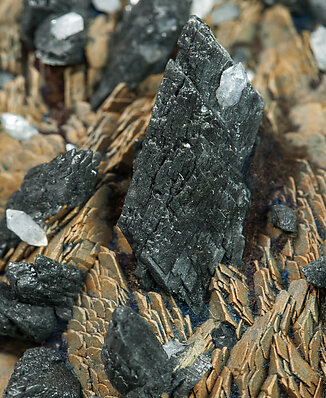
(284, 217)
(142, 43)
(36, 11)
(47, 282)
(137, 364)
(42, 373)
(68, 180)
(22, 320)
(185, 208)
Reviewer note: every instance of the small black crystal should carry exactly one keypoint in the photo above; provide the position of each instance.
(284, 217)
(315, 272)
(142, 43)
(186, 205)
(22, 320)
(47, 282)
(42, 373)
(133, 358)
(69, 179)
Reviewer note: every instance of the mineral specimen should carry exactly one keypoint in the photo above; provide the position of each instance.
(42, 373)
(185, 208)
(318, 46)
(17, 126)
(25, 228)
(61, 40)
(22, 320)
(142, 43)
(69, 180)
(138, 366)
(284, 217)
(315, 272)
(233, 82)
(46, 281)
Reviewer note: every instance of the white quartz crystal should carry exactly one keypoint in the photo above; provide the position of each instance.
(67, 25)
(107, 5)
(17, 126)
(233, 81)
(318, 46)
(225, 13)
(25, 228)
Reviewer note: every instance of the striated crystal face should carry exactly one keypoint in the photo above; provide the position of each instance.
(67, 25)
(318, 46)
(17, 126)
(233, 82)
(107, 5)
(25, 228)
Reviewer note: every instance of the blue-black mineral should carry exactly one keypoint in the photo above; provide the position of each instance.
(185, 208)
(142, 44)
(42, 373)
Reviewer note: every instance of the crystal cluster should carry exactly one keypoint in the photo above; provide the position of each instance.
(37, 296)
(185, 208)
(315, 272)
(142, 43)
(68, 180)
(42, 373)
(138, 365)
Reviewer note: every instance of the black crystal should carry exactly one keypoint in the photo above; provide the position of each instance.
(42, 373)
(315, 272)
(185, 208)
(46, 281)
(24, 321)
(142, 43)
(69, 179)
(284, 217)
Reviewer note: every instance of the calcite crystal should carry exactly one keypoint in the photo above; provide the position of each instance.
(46, 281)
(42, 373)
(284, 217)
(142, 43)
(68, 180)
(185, 209)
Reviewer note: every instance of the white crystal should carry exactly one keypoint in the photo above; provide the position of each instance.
(173, 347)
(134, 2)
(67, 25)
(17, 126)
(250, 74)
(318, 46)
(70, 147)
(107, 5)
(201, 8)
(233, 81)
(225, 13)
(25, 228)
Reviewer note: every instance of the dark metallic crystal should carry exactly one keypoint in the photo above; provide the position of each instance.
(142, 43)
(284, 217)
(42, 373)
(315, 272)
(185, 209)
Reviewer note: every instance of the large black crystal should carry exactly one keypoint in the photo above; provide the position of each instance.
(315, 272)
(69, 179)
(46, 281)
(22, 320)
(142, 43)
(42, 373)
(185, 208)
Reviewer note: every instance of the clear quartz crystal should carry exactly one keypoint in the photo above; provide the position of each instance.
(107, 5)
(67, 25)
(318, 46)
(17, 126)
(233, 82)
(25, 228)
